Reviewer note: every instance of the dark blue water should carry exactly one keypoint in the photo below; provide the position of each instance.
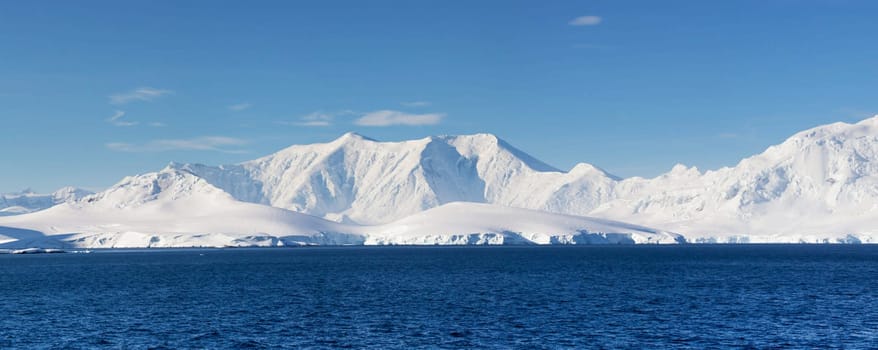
(696, 297)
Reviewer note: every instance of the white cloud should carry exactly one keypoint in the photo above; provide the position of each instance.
(389, 117)
(239, 107)
(206, 143)
(416, 104)
(158, 124)
(139, 94)
(314, 119)
(585, 21)
(116, 119)
(315, 123)
(317, 119)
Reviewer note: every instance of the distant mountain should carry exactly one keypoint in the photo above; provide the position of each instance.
(174, 208)
(27, 201)
(475, 223)
(820, 185)
(359, 180)
(166, 209)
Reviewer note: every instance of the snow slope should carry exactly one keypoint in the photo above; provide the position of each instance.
(817, 186)
(357, 179)
(172, 208)
(167, 209)
(27, 201)
(474, 223)
(820, 185)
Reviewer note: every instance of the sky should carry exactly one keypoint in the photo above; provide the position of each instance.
(92, 91)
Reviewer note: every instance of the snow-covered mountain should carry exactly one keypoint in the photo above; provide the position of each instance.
(27, 201)
(174, 208)
(475, 223)
(167, 209)
(360, 180)
(820, 185)
(817, 186)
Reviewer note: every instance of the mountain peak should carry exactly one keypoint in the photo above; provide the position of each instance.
(173, 166)
(477, 143)
(485, 136)
(681, 170)
(586, 168)
(837, 128)
(353, 136)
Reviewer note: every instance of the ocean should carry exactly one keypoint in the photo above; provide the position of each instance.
(508, 297)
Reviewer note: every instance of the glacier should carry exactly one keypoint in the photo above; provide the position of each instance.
(355, 179)
(27, 201)
(173, 208)
(818, 186)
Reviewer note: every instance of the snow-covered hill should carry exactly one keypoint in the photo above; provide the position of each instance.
(27, 201)
(173, 208)
(357, 179)
(474, 223)
(167, 209)
(820, 185)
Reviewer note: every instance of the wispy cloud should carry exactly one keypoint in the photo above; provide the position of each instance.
(158, 124)
(416, 104)
(139, 94)
(585, 21)
(389, 118)
(116, 119)
(318, 118)
(207, 143)
(239, 107)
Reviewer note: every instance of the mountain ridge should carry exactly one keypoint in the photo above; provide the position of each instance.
(818, 185)
(28, 201)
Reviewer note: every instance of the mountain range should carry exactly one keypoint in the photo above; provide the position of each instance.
(27, 201)
(820, 185)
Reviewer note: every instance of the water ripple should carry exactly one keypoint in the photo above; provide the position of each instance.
(687, 297)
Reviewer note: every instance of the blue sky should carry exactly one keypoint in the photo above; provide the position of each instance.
(92, 91)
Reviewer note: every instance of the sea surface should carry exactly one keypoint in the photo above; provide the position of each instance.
(693, 296)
